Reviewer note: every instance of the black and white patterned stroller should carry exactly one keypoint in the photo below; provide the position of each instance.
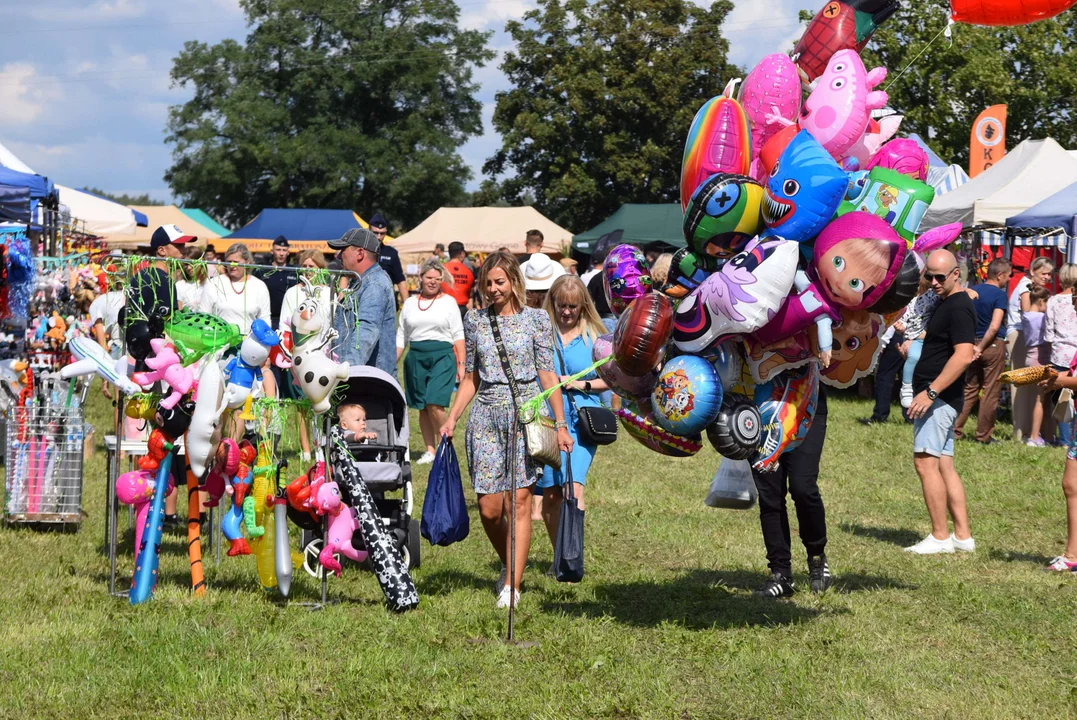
(385, 463)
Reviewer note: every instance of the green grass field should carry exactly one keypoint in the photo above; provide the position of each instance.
(664, 625)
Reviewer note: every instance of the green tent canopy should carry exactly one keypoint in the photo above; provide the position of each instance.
(205, 220)
(658, 224)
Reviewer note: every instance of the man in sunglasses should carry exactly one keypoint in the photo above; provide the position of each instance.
(949, 348)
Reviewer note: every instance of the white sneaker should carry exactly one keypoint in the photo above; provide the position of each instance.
(305, 458)
(932, 546)
(963, 545)
(503, 597)
(425, 459)
(906, 395)
(501, 580)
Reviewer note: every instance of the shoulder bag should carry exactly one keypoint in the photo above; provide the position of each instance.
(540, 434)
(598, 425)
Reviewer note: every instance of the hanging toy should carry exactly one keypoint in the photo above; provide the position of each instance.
(246, 367)
(307, 490)
(91, 358)
(225, 465)
(316, 374)
(165, 365)
(196, 334)
(136, 488)
(209, 406)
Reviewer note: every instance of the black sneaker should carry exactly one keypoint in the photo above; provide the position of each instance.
(171, 523)
(871, 421)
(777, 586)
(818, 573)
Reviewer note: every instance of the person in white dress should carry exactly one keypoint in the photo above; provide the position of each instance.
(234, 295)
(189, 289)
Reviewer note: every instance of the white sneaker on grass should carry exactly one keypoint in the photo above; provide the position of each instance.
(425, 459)
(505, 594)
(932, 546)
(906, 395)
(968, 545)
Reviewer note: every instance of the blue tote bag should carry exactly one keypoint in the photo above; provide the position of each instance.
(445, 519)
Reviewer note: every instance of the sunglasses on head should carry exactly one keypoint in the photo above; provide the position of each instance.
(940, 278)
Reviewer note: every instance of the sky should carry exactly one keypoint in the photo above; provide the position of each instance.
(85, 91)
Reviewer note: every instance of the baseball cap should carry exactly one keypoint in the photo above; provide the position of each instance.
(378, 221)
(280, 240)
(357, 237)
(169, 235)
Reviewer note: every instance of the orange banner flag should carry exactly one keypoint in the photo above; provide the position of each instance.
(988, 143)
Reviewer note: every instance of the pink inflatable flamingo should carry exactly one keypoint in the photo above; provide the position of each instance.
(136, 488)
(771, 90)
(343, 524)
(166, 366)
(839, 108)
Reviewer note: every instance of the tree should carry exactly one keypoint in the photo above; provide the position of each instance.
(603, 96)
(124, 198)
(1032, 69)
(329, 104)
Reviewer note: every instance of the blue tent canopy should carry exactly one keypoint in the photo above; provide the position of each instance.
(15, 203)
(1059, 210)
(40, 187)
(298, 224)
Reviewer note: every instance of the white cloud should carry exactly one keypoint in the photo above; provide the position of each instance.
(106, 10)
(755, 29)
(492, 14)
(24, 94)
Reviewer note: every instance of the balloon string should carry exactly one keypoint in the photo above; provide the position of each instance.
(945, 30)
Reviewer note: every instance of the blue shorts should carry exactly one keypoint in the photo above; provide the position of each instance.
(933, 434)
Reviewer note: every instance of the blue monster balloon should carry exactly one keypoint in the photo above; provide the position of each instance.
(804, 190)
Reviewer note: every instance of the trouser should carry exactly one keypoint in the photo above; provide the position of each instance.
(797, 472)
(983, 374)
(890, 365)
(916, 347)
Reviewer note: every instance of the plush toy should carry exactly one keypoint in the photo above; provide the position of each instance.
(91, 358)
(165, 365)
(242, 370)
(316, 374)
(804, 189)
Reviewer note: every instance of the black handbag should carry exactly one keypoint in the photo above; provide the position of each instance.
(598, 425)
(568, 553)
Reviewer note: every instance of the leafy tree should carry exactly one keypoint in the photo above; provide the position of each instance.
(603, 95)
(1032, 69)
(124, 198)
(329, 104)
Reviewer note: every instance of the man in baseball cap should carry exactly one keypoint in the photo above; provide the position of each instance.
(366, 320)
(166, 239)
(390, 258)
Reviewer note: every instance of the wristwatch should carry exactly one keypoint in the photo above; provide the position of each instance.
(931, 394)
(561, 425)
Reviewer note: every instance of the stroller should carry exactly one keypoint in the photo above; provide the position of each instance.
(384, 463)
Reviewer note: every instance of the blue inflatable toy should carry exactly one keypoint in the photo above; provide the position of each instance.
(688, 396)
(804, 191)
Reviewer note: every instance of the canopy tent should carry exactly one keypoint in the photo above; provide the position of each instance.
(483, 230)
(643, 224)
(204, 219)
(946, 179)
(140, 218)
(304, 229)
(933, 160)
(158, 215)
(1031, 172)
(15, 203)
(1057, 211)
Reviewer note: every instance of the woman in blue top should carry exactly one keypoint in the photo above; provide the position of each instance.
(577, 325)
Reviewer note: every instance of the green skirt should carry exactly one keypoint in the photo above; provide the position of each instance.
(429, 374)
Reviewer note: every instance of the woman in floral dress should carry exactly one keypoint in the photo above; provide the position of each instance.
(527, 334)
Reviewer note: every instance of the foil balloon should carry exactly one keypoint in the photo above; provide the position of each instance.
(723, 214)
(898, 199)
(904, 156)
(839, 108)
(688, 395)
(719, 141)
(840, 25)
(905, 286)
(804, 190)
(642, 427)
(737, 429)
(792, 352)
(771, 91)
(874, 138)
(639, 340)
(856, 348)
(687, 271)
(787, 407)
(623, 384)
(856, 260)
(1007, 13)
(738, 299)
(727, 361)
(625, 277)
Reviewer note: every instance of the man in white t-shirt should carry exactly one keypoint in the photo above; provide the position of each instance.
(104, 320)
(234, 295)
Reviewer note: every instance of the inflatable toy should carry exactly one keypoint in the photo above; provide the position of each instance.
(165, 366)
(856, 348)
(791, 352)
(140, 331)
(719, 141)
(874, 138)
(687, 397)
(787, 407)
(136, 488)
(342, 527)
(242, 370)
(209, 405)
(733, 487)
(92, 359)
(627, 386)
(771, 89)
(723, 214)
(174, 422)
(625, 277)
(196, 334)
(640, 337)
(727, 362)
(147, 558)
(837, 111)
(856, 260)
(896, 198)
(1007, 13)
(903, 156)
(687, 271)
(737, 429)
(804, 190)
(307, 493)
(840, 25)
(738, 299)
(643, 428)
(316, 374)
(225, 465)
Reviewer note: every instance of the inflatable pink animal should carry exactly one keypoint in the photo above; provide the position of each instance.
(343, 524)
(166, 366)
(839, 108)
(867, 147)
(136, 488)
(771, 90)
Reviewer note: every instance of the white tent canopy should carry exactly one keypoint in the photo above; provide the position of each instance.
(99, 216)
(483, 229)
(1031, 172)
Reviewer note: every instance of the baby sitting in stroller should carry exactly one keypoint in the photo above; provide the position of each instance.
(352, 417)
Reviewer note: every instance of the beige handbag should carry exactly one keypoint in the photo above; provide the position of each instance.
(1064, 407)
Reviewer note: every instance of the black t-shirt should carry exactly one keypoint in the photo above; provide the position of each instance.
(390, 263)
(597, 292)
(149, 289)
(278, 281)
(954, 323)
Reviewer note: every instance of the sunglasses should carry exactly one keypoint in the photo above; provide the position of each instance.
(940, 278)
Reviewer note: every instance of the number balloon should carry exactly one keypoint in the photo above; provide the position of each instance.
(840, 25)
(688, 395)
(625, 277)
(639, 340)
(719, 141)
(1007, 12)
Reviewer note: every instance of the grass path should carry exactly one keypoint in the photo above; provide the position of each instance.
(664, 625)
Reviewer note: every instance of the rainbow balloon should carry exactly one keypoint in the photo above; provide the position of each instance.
(719, 141)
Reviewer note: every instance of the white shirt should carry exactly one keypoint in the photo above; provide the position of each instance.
(189, 294)
(586, 277)
(106, 308)
(439, 320)
(240, 303)
(295, 295)
(1013, 312)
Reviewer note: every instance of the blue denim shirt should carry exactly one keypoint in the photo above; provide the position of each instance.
(366, 322)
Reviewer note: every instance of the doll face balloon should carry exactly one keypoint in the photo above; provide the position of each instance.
(805, 188)
(856, 259)
(839, 108)
(856, 348)
(625, 277)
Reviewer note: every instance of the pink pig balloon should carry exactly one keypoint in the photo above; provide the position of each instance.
(771, 91)
(839, 108)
